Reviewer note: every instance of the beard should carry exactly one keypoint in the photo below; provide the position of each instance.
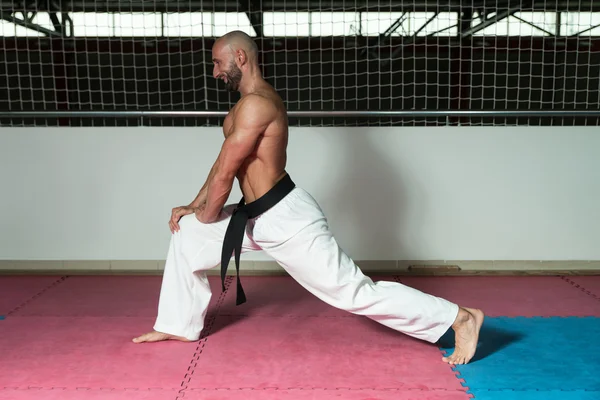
(234, 77)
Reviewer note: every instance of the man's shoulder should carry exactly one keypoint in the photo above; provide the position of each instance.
(258, 104)
(260, 99)
(255, 99)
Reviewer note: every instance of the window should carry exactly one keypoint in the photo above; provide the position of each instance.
(334, 23)
(286, 23)
(226, 22)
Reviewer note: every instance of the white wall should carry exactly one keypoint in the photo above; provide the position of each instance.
(453, 193)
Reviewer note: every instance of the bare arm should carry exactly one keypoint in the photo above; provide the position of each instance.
(251, 120)
(201, 197)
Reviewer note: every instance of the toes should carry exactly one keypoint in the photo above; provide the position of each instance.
(448, 360)
(139, 339)
(147, 337)
(457, 358)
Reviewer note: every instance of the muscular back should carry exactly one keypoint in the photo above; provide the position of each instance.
(264, 166)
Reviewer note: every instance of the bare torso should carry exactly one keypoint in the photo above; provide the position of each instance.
(266, 165)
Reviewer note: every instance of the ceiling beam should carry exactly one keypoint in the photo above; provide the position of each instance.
(302, 5)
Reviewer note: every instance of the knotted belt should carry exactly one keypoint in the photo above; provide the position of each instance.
(234, 236)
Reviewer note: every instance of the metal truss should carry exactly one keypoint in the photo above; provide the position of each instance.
(63, 26)
(23, 13)
(500, 15)
(253, 10)
(302, 5)
(586, 30)
(384, 38)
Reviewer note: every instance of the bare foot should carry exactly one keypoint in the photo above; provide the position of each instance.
(155, 336)
(466, 328)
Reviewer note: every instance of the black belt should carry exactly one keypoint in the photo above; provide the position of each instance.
(234, 236)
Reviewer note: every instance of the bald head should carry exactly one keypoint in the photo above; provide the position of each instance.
(236, 41)
(235, 55)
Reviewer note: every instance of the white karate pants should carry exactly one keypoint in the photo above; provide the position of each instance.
(294, 233)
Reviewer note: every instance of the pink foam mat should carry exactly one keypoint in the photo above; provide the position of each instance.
(104, 296)
(224, 394)
(512, 296)
(15, 291)
(278, 296)
(321, 394)
(590, 284)
(87, 394)
(89, 352)
(314, 352)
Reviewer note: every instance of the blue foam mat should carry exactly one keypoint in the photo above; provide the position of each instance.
(1, 317)
(533, 358)
(537, 395)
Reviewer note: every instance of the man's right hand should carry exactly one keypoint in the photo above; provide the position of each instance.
(176, 214)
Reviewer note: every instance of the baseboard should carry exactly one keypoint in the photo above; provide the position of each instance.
(271, 268)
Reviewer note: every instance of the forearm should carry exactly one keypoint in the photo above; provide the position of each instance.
(202, 194)
(218, 192)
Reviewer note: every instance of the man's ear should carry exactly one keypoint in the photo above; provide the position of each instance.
(241, 57)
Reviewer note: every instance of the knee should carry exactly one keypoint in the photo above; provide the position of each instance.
(187, 221)
(190, 228)
(190, 235)
(197, 243)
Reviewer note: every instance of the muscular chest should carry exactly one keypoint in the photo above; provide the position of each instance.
(228, 123)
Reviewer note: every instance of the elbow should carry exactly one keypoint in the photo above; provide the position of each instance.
(224, 178)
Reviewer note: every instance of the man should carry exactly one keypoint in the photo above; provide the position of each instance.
(284, 221)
